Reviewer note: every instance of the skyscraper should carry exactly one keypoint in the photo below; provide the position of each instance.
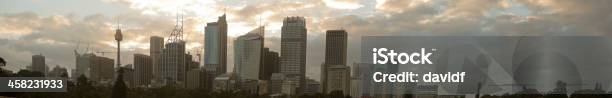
(192, 79)
(173, 63)
(335, 47)
(143, 70)
(156, 44)
(102, 69)
(335, 53)
(248, 54)
(293, 50)
(248, 58)
(38, 64)
(215, 41)
(270, 64)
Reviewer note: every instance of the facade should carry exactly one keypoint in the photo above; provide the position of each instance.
(338, 79)
(173, 63)
(193, 79)
(215, 41)
(206, 79)
(275, 83)
(355, 87)
(143, 69)
(224, 82)
(102, 69)
(263, 87)
(38, 64)
(248, 54)
(249, 86)
(248, 57)
(155, 50)
(270, 64)
(356, 82)
(335, 47)
(312, 86)
(289, 87)
(335, 53)
(293, 49)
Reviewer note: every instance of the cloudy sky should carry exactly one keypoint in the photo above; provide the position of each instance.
(54, 28)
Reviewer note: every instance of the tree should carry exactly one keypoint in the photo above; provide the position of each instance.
(2, 62)
(336, 94)
(119, 89)
(27, 73)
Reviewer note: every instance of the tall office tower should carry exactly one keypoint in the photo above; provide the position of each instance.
(248, 50)
(102, 69)
(335, 47)
(293, 50)
(248, 54)
(156, 44)
(143, 70)
(173, 63)
(215, 41)
(335, 53)
(38, 64)
(270, 64)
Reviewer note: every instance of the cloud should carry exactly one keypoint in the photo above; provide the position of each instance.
(55, 36)
(589, 17)
(399, 6)
(17, 25)
(343, 4)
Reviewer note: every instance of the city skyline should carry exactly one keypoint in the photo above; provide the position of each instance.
(50, 30)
